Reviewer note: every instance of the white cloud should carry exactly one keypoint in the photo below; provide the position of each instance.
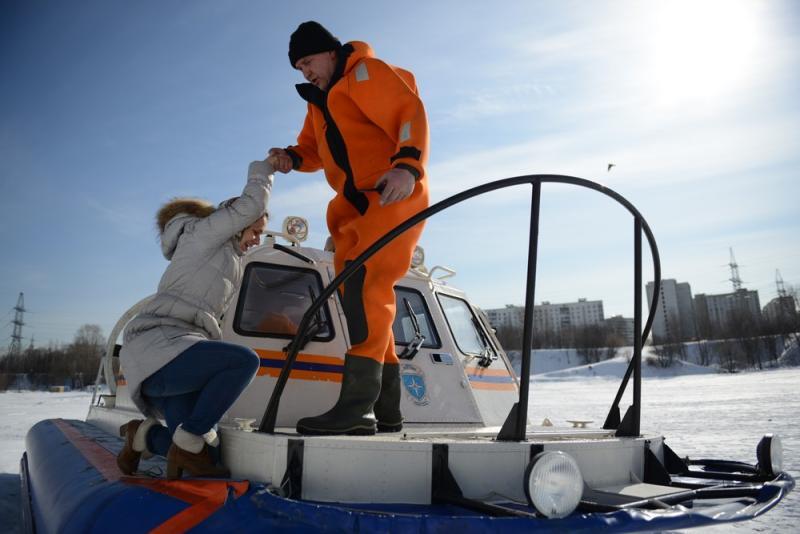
(300, 193)
(128, 220)
(498, 101)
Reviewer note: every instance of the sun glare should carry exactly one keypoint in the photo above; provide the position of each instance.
(702, 52)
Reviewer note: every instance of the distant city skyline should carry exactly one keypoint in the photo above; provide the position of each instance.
(681, 314)
(647, 284)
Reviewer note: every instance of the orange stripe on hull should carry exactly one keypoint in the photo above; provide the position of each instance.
(203, 496)
(482, 371)
(302, 375)
(316, 375)
(96, 455)
(493, 387)
(308, 358)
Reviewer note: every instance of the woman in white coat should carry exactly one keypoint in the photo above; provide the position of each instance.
(172, 357)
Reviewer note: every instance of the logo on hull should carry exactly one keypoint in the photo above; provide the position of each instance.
(414, 383)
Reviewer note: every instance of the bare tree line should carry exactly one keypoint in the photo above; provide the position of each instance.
(593, 343)
(73, 365)
(745, 342)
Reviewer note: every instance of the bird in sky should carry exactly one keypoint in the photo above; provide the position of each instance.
(609, 166)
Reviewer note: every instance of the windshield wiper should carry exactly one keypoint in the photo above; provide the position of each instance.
(414, 345)
(487, 355)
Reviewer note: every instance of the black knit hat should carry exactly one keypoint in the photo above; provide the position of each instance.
(310, 38)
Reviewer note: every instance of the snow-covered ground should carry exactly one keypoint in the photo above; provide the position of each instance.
(615, 368)
(702, 415)
(18, 412)
(567, 363)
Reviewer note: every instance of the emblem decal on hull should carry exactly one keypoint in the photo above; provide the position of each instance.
(414, 383)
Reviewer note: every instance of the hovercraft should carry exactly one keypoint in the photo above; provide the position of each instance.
(467, 459)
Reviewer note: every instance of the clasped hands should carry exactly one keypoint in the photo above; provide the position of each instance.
(397, 184)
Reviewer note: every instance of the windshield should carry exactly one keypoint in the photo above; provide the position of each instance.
(273, 300)
(464, 325)
(403, 326)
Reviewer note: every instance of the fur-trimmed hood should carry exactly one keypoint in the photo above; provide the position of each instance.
(191, 206)
(172, 217)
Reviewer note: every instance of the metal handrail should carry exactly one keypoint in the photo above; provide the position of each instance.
(518, 416)
(106, 368)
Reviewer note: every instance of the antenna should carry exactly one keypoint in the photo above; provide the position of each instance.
(735, 279)
(16, 338)
(780, 285)
(785, 301)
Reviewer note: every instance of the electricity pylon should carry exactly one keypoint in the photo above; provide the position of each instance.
(16, 338)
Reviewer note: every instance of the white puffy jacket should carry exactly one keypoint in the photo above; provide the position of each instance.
(204, 272)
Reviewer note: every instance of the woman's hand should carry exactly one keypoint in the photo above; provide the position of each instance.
(260, 170)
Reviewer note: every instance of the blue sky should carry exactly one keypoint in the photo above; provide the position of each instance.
(109, 108)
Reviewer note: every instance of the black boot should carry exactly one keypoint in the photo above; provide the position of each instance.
(387, 408)
(352, 414)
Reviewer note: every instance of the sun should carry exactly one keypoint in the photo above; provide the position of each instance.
(701, 52)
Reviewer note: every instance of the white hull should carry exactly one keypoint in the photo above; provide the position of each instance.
(397, 467)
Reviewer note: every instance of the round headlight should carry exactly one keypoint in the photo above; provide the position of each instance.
(770, 454)
(295, 227)
(553, 484)
(418, 258)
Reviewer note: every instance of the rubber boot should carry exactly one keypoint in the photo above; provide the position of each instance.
(387, 407)
(190, 453)
(135, 434)
(353, 412)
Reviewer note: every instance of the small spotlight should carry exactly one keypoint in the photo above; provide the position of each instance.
(553, 484)
(418, 258)
(295, 228)
(770, 455)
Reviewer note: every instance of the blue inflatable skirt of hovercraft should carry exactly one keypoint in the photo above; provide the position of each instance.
(71, 485)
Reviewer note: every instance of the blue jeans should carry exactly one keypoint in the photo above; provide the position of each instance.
(196, 388)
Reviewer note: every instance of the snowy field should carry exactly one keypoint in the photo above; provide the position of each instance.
(702, 415)
(18, 412)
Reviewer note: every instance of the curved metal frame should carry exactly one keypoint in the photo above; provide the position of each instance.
(515, 426)
(106, 369)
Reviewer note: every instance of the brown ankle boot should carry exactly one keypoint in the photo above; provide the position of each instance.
(128, 458)
(135, 447)
(196, 464)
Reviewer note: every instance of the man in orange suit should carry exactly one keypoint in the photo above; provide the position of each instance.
(366, 127)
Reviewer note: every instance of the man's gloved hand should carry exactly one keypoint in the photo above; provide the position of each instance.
(280, 160)
(398, 184)
(260, 169)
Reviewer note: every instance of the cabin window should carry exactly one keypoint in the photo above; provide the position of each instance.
(465, 326)
(403, 326)
(273, 300)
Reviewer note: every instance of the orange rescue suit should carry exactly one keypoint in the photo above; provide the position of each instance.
(369, 120)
